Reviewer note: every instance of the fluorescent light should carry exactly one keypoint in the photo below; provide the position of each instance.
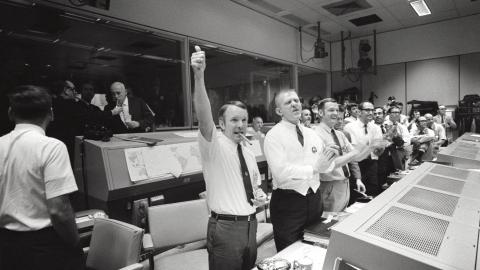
(420, 7)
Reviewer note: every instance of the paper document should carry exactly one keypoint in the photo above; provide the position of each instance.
(187, 134)
(162, 161)
(475, 135)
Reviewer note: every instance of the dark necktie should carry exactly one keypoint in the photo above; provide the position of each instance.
(366, 130)
(245, 175)
(383, 129)
(299, 135)
(337, 142)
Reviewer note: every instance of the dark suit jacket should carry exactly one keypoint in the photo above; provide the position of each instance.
(138, 110)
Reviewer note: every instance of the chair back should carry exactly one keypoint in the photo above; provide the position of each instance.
(114, 245)
(178, 223)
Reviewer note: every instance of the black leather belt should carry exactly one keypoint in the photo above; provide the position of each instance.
(233, 217)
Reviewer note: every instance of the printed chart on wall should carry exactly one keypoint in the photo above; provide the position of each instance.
(162, 161)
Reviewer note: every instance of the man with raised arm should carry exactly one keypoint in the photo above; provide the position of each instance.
(296, 156)
(37, 222)
(231, 177)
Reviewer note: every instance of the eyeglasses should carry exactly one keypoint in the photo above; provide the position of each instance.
(395, 112)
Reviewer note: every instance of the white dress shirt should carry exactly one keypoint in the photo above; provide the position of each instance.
(125, 114)
(357, 133)
(292, 164)
(402, 130)
(33, 169)
(222, 173)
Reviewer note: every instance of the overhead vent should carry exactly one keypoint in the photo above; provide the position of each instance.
(322, 32)
(366, 20)
(295, 19)
(266, 5)
(346, 7)
(105, 57)
(143, 45)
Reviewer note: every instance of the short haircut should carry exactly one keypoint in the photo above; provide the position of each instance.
(120, 84)
(378, 107)
(414, 111)
(341, 108)
(30, 102)
(321, 104)
(361, 106)
(280, 93)
(221, 111)
(393, 107)
(351, 105)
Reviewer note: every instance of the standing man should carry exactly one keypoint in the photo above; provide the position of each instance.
(353, 112)
(334, 185)
(446, 121)
(130, 114)
(296, 156)
(364, 132)
(37, 222)
(306, 117)
(231, 177)
(440, 134)
(257, 124)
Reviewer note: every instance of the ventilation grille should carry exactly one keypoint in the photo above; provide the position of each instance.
(431, 201)
(450, 172)
(465, 153)
(410, 229)
(366, 20)
(346, 7)
(442, 183)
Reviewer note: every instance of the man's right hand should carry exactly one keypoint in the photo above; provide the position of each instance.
(197, 61)
(325, 159)
(117, 110)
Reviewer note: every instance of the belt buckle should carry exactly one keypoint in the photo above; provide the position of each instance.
(249, 217)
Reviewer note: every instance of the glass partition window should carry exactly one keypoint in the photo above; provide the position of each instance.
(312, 85)
(48, 44)
(237, 76)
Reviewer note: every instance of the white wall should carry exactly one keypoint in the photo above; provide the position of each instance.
(389, 81)
(447, 38)
(218, 21)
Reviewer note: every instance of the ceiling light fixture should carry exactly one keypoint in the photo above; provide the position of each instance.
(420, 7)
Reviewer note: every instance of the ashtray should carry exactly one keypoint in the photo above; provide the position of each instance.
(274, 264)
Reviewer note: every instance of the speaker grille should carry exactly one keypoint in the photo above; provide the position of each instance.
(442, 183)
(430, 200)
(410, 229)
(450, 172)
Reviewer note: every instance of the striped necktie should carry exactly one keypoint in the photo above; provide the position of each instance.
(299, 135)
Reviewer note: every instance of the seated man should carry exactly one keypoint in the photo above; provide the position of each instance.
(129, 114)
(446, 121)
(421, 140)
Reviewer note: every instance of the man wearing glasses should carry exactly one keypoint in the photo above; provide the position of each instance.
(364, 132)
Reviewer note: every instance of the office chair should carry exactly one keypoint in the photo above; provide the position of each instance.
(184, 224)
(114, 245)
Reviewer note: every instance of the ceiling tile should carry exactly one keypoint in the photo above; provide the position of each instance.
(430, 18)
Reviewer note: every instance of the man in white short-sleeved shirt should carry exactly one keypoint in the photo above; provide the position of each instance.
(37, 224)
(231, 177)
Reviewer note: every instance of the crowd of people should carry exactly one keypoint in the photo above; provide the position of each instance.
(319, 158)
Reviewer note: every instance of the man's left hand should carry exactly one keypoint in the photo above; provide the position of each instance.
(132, 124)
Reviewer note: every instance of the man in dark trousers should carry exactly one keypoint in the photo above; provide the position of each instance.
(37, 222)
(296, 156)
(231, 178)
(129, 114)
